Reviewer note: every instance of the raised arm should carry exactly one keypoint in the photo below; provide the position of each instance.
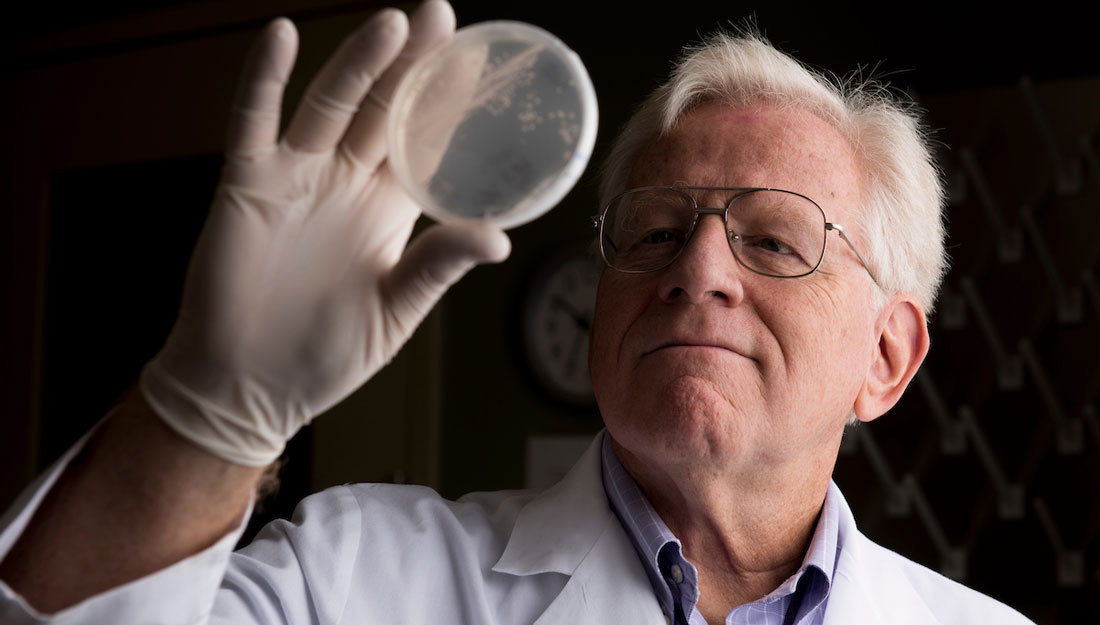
(303, 285)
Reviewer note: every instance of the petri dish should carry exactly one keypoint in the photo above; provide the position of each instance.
(498, 125)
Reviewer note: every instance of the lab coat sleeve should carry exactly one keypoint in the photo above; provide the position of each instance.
(376, 553)
(297, 571)
(182, 593)
(380, 553)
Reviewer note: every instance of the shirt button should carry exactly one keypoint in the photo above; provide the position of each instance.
(677, 573)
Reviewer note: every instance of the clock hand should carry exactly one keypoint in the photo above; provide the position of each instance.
(575, 353)
(582, 321)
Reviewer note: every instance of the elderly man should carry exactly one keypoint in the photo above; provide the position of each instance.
(771, 245)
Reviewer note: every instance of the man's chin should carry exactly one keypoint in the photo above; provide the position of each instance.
(688, 411)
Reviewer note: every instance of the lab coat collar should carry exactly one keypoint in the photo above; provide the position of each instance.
(868, 585)
(556, 529)
(570, 529)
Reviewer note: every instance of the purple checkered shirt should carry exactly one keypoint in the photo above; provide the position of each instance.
(798, 601)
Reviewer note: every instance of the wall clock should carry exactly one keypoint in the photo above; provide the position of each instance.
(556, 318)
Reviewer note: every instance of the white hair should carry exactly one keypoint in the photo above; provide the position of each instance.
(901, 221)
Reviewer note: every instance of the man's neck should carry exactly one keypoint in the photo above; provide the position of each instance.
(745, 534)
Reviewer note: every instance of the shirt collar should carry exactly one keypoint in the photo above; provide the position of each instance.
(651, 536)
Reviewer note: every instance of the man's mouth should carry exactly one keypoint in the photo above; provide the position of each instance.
(692, 344)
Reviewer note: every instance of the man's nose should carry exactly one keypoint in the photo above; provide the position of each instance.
(706, 270)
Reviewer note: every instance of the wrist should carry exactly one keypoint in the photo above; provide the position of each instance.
(236, 428)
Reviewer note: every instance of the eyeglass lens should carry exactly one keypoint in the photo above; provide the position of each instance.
(775, 233)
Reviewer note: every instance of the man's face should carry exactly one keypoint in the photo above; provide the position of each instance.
(707, 365)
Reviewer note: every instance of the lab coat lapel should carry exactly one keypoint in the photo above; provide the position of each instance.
(869, 586)
(608, 586)
(571, 529)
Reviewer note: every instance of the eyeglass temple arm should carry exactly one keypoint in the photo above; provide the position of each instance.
(597, 221)
(844, 235)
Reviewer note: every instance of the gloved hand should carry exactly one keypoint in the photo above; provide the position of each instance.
(302, 286)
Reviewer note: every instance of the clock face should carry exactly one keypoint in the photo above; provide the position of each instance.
(556, 322)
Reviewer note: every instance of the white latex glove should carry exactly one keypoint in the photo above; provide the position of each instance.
(302, 286)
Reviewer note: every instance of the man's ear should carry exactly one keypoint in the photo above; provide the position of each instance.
(902, 345)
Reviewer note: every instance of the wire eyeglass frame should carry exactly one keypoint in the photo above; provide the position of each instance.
(731, 237)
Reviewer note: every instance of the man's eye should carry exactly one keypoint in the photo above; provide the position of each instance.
(769, 244)
(657, 237)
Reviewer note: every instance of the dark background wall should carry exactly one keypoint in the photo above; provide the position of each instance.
(988, 470)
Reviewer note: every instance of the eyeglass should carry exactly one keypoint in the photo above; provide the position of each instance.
(771, 232)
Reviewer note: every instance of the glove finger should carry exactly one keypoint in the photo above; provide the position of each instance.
(430, 27)
(333, 97)
(435, 260)
(254, 119)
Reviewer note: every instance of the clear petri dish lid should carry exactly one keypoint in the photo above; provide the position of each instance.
(496, 126)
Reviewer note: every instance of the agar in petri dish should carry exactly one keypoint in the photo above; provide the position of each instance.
(498, 125)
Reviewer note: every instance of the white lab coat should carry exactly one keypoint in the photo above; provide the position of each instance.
(403, 555)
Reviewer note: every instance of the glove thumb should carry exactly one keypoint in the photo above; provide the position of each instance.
(438, 258)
